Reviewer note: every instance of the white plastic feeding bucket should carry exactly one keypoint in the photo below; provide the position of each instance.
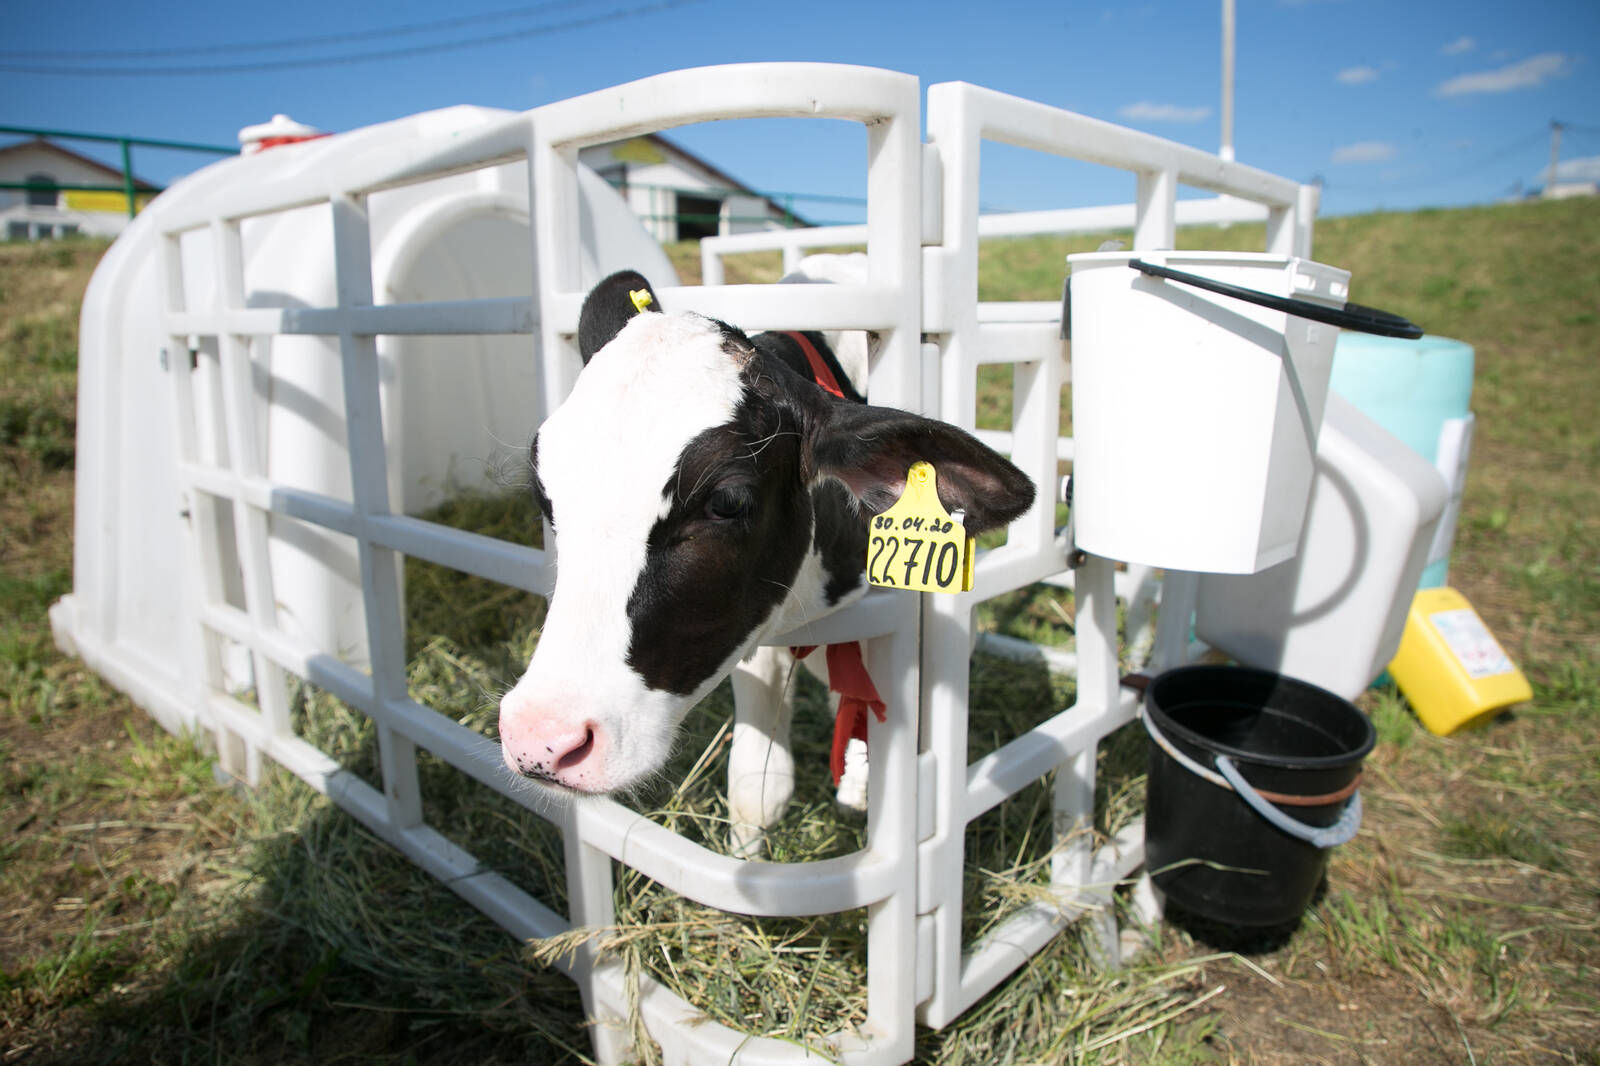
(1214, 471)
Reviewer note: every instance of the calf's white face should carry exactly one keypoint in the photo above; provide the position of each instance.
(689, 477)
(586, 715)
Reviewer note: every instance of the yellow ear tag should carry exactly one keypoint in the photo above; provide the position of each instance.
(916, 544)
(641, 299)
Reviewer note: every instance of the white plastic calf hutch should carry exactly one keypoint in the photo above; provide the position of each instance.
(329, 328)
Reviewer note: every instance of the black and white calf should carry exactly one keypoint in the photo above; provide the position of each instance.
(706, 494)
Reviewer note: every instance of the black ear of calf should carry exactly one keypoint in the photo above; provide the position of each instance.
(607, 309)
(870, 449)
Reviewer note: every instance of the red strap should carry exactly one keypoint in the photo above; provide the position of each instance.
(819, 368)
(847, 675)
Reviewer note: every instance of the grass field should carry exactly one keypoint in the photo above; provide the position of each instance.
(148, 914)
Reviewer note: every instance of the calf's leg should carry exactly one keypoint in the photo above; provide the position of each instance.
(760, 763)
(852, 791)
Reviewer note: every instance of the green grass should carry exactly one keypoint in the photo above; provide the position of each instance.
(152, 914)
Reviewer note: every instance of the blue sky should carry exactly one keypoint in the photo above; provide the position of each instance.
(1392, 104)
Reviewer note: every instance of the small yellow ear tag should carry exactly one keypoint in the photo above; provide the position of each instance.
(916, 544)
(641, 299)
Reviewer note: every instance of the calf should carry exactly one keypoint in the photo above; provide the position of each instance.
(706, 494)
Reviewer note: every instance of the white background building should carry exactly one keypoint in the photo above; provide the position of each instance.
(679, 196)
(41, 213)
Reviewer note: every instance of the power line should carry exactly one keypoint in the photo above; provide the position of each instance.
(353, 57)
(293, 42)
(1467, 171)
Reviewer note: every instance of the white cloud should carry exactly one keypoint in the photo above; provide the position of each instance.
(1529, 73)
(1356, 76)
(1583, 169)
(1458, 46)
(1145, 111)
(1364, 152)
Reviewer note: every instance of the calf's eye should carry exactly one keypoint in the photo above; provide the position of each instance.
(729, 502)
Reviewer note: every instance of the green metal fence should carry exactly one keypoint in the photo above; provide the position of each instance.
(784, 202)
(128, 187)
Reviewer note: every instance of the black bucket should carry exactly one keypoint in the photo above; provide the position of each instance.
(1253, 779)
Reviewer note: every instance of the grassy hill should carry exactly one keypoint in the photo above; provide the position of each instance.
(152, 915)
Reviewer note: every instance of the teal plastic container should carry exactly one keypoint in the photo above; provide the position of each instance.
(1410, 388)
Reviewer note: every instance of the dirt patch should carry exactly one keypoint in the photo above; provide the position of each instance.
(1328, 1022)
(36, 526)
(92, 847)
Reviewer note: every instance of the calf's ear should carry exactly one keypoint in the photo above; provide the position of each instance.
(608, 307)
(870, 449)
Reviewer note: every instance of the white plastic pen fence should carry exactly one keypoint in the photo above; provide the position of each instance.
(795, 244)
(921, 235)
(960, 118)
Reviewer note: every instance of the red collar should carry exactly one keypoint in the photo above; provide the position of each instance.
(847, 675)
(819, 368)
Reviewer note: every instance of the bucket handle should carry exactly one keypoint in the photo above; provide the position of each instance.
(1340, 832)
(1350, 316)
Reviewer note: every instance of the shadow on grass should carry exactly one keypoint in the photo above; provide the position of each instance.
(326, 946)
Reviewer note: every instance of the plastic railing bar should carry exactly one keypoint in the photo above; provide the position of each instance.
(1008, 567)
(1027, 124)
(473, 553)
(765, 90)
(1115, 217)
(737, 885)
(1001, 440)
(468, 751)
(507, 316)
(515, 910)
(510, 315)
(778, 239)
(303, 504)
(1016, 313)
(383, 165)
(510, 906)
(876, 614)
(338, 678)
(1006, 948)
(242, 322)
(758, 307)
(1063, 221)
(688, 1036)
(1021, 340)
(1002, 773)
(268, 495)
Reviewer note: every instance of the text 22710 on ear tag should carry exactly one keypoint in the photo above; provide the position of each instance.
(916, 544)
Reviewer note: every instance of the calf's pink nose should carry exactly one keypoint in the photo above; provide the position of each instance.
(548, 747)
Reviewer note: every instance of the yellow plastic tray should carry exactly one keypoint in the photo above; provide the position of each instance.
(1451, 669)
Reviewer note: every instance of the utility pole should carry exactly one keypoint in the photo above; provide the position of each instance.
(1226, 151)
(1555, 157)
